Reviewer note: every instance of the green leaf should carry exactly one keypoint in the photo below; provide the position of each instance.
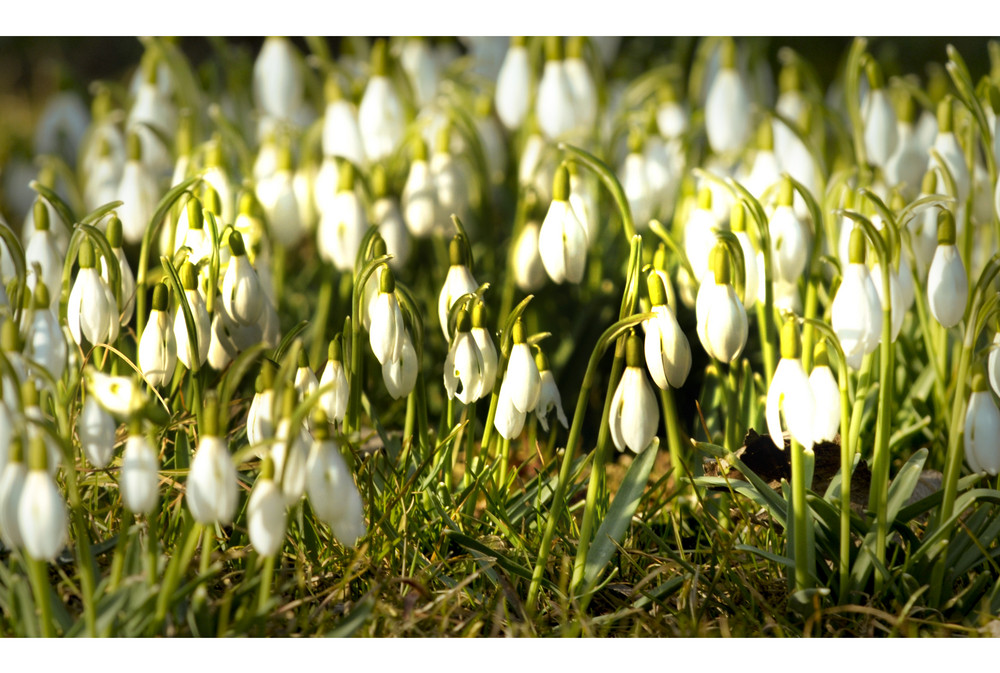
(612, 530)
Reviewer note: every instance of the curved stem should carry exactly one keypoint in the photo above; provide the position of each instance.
(607, 176)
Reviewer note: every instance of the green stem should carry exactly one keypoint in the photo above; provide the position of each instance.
(322, 317)
(267, 575)
(40, 587)
(803, 574)
(172, 575)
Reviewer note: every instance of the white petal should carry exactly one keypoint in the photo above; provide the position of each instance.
(266, 517)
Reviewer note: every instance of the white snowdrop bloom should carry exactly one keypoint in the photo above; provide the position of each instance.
(667, 351)
(334, 401)
(266, 516)
(537, 166)
(699, 237)
(192, 234)
(492, 137)
(951, 152)
(392, 229)
(157, 352)
(100, 183)
(727, 107)
(380, 114)
(343, 226)
(41, 510)
(419, 196)
(993, 363)
(137, 191)
(638, 191)
(43, 250)
(421, 68)
(62, 126)
(982, 429)
(529, 271)
(509, 421)
(581, 86)
(458, 282)
(386, 333)
(140, 479)
(276, 194)
(125, 275)
(464, 368)
(96, 429)
(241, 291)
(672, 117)
(400, 376)
(212, 488)
(278, 85)
(790, 238)
(92, 311)
(12, 477)
(484, 342)
(260, 416)
(826, 394)
(513, 90)
(583, 201)
(554, 103)
(881, 133)
(341, 134)
(332, 493)
(947, 286)
(562, 240)
(791, 104)
(452, 192)
(192, 356)
(905, 168)
(522, 377)
(765, 169)
(633, 416)
(752, 270)
(45, 342)
(221, 346)
(790, 396)
(722, 320)
(857, 312)
(548, 396)
(119, 395)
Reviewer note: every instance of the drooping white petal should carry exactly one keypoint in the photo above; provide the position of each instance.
(549, 398)
(157, 355)
(982, 433)
(790, 396)
(947, 286)
(634, 416)
(562, 244)
(400, 375)
(826, 395)
(266, 517)
(212, 489)
(523, 377)
(668, 354)
(332, 492)
(41, 516)
(140, 478)
(96, 429)
(509, 421)
(513, 90)
(727, 118)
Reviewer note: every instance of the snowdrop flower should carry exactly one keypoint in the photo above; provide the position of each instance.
(45, 342)
(222, 346)
(389, 220)
(278, 85)
(982, 429)
(752, 273)
(790, 394)
(562, 240)
(421, 68)
(62, 126)
(555, 104)
(464, 367)
(668, 354)
(305, 382)
(491, 136)
(137, 191)
(12, 477)
(905, 168)
(400, 375)
(765, 170)
(699, 237)
(125, 275)
(341, 135)
(96, 429)
(513, 90)
(856, 311)
(581, 85)
(419, 197)
(41, 510)
(192, 355)
(583, 200)
(727, 107)
(529, 271)
(635, 182)
(950, 151)
(334, 401)
(881, 134)
(151, 110)
(484, 342)
(215, 177)
(38, 422)
(332, 493)
(449, 181)
(722, 320)
(157, 353)
(790, 238)
(260, 416)
(387, 328)
(509, 421)
(101, 182)
(212, 487)
(548, 396)
(276, 194)
(380, 114)
(633, 417)
(118, 395)
(947, 286)
(521, 378)
(241, 290)
(42, 255)
(343, 226)
(826, 394)
(458, 282)
(92, 311)
(140, 478)
(672, 116)
(266, 512)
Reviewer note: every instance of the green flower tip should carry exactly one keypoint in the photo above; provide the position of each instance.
(135, 426)
(380, 182)
(331, 89)
(636, 139)
(160, 297)
(667, 93)
(457, 253)
(553, 48)
(657, 293)
(479, 315)
(29, 392)
(103, 103)
(633, 350)
(463, 323)
(876, 80)
(114, 232)
(189, 276)
(560, 183)
(518, 41)
(705, 198)
(790, 78)
(541, 361)
(896, 201)
(150, 68)
(41, 215)
(442, 142)
(38, 455)
(856, 246)
(133, 147)
(16, 454)
(419, 149)
(345, 178)
(185, 134)
(380, 59)
(288, 402)
(196, 219)
(335, 352)
(321, 425)
(86, 255)
(946, 228)
(247, 203)
(574, 46)
(483, 106)
(517, 332)
(980, 384)
(284, 162)
(791, 340)
(786, 192)
(41, 297)
(727, 54)
(213, 154)
(236, 244)
(267, 468)
(821, 355)
(738, 218)
(378, 246)
(386, 281)
(765, 136)
(906, 110)
(210, 415)
(10, 341)
(303, 360)
(721, 265)
(944, 115)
